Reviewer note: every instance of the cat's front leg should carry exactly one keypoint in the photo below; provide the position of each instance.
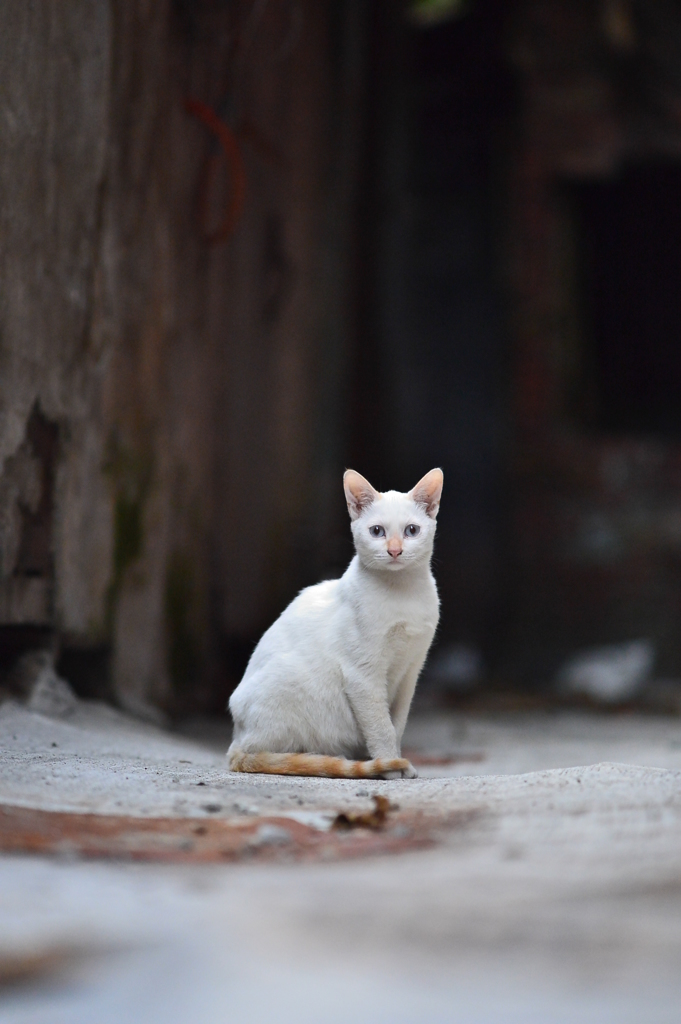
(368, 699)
(399, 710)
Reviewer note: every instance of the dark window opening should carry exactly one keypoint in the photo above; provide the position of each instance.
(631, 237)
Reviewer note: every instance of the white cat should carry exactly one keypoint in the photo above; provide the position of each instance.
(333, 678)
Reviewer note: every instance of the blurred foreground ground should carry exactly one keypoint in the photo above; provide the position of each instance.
(550, 891)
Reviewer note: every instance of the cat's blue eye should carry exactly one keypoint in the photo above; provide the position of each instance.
(377, 531)
(412, 530)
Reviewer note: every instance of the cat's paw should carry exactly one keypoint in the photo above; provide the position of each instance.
(401, 773)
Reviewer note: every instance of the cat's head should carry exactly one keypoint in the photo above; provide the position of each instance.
(393, 530)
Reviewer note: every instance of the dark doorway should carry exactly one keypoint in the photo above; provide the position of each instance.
(430, 375)
(631, 235)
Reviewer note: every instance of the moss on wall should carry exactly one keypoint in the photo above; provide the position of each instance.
(131, 476)
(184, 648)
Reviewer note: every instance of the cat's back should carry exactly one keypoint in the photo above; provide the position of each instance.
(311, 611)
(308, 619)
(313, 601)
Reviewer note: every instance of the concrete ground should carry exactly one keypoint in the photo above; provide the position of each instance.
(551, 891)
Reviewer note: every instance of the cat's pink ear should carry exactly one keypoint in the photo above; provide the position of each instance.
(359, 493)
(428, 491)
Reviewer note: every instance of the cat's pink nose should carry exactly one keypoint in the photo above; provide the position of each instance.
(394, 550)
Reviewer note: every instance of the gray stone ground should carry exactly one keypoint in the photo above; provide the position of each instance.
(558, 901)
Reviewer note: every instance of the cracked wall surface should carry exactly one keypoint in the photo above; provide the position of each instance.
(152, 387)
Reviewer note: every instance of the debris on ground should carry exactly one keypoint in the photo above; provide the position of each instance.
(374, 818)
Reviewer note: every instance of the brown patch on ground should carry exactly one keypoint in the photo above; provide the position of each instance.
(193, 840)
(19, 968)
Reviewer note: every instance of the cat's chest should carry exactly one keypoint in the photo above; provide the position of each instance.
(389, 624)
(399, 641)
(400, 635)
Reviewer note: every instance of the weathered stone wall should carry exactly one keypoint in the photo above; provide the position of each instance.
(55, 72)
(169, 409)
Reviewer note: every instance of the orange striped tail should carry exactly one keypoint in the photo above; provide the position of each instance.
(316, 764)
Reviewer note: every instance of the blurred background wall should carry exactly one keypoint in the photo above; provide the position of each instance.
(171, 405)
(418, 241)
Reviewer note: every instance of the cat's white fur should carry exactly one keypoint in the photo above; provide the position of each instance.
(336, 673)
